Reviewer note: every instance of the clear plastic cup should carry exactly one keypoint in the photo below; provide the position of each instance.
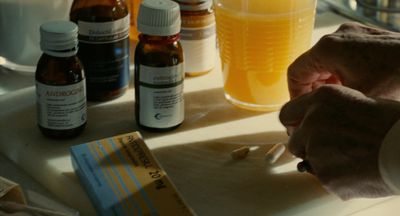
(258, 40)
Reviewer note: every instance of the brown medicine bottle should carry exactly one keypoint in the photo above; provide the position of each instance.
(103, 46)
(159, 69)
(60, 82)
(198, 36)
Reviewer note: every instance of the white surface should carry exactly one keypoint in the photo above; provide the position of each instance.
(19, 27)
(34, 192)
(196, 155)
(11, 81)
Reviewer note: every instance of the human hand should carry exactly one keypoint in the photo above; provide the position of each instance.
(339, 131)
(357, 56)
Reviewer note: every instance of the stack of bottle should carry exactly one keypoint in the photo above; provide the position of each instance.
(99, 70)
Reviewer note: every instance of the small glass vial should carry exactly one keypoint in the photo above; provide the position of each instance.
(103, 46)
(60, 82)
(198, 36)
(159, 69)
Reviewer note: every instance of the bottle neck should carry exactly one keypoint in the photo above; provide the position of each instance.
(195, 6)
(61, 53)
(159, 39)
(90, 3)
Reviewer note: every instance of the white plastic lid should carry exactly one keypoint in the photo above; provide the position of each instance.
(159, 18)
(59, 38)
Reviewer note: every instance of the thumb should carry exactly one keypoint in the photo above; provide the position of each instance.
(293, 112)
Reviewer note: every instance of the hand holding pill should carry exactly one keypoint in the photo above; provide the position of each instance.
(339, 131)
(339, 114)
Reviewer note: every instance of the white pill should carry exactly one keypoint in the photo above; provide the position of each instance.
(275, 153)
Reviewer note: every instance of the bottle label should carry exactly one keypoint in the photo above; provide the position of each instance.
(198, 39)
(198, 27)
(103, 32)
(61, 107)
(161, 96)
(104, 52)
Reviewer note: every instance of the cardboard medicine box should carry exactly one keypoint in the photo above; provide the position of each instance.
(122, 177)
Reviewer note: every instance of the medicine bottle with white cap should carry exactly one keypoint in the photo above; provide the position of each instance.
(60, 82)
(159, 69)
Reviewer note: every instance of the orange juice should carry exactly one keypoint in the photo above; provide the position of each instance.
(258, 40)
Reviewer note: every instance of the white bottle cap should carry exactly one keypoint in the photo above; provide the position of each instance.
(59, 38)
(159, 18)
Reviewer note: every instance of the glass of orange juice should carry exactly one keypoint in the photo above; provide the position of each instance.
(258, 40)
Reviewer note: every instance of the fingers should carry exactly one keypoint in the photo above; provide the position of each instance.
(292, 113)
(308, 73)
(302, 73)
(322, 64)
(305, 114)
(297, 143)
(359, 28)
(291, 116)
(350, 56)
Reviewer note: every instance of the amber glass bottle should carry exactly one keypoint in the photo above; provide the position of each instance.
(60, 82)
(198, 36)
(159, 71)
(103, 46)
